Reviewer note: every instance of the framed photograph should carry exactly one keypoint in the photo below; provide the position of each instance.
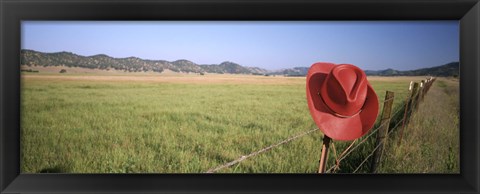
(239, 96)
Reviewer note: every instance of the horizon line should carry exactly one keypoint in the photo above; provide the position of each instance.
(23, 49)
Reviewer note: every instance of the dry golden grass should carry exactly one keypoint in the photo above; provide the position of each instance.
(85, 74)
(184, 79)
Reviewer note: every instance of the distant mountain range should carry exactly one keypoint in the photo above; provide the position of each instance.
(134, 64)
(449, 69)
(296, 71)
(130, 64)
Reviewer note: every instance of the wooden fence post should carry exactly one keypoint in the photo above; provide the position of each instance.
(423, 87)
(432, 80)
(427, 84)
(413, 99)
(324, 154)
(408, 107)
(419, 95)
(383, 130)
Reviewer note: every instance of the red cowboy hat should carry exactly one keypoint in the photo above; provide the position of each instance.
(341, 101)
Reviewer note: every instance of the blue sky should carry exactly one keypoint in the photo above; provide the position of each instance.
(371, 45)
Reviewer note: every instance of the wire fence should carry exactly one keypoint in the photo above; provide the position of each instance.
(411, 103)
(393, 129)
(364, 139)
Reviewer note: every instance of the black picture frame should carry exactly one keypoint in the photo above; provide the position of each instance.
(12, 12)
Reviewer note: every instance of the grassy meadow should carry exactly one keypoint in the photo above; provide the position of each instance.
(147, 123)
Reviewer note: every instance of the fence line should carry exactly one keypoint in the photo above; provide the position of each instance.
(260, 151)
(283, 142)
(229, 164)
(412, 103)
(364, 140)
(417, 97)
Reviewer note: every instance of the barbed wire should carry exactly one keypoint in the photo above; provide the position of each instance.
(391, 98)
(337, 165)
(260, 151)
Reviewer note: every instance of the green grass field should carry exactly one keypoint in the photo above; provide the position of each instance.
(174, 124)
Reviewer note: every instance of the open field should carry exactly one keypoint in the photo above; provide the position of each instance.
(104, 123)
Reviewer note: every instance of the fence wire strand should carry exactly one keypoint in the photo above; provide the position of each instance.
(260, 151)
(391, 98)
(337, 161)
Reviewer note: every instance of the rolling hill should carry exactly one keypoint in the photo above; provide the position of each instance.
(450, 69)
(296, 71)
(130, 64)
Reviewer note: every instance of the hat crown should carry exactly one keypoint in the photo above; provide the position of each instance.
(345, 90)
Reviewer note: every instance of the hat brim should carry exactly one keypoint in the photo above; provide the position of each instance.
(335, 127)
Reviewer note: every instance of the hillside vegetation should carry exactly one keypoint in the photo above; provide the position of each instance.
(130, 64)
